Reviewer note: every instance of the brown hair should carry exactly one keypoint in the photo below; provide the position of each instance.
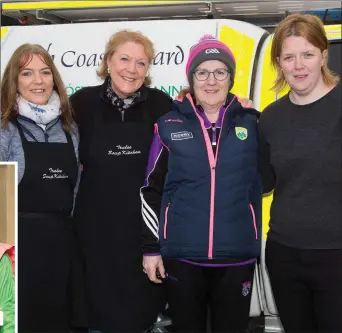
(309, 27)
(9, 84)
(120, 38)
(184, 92)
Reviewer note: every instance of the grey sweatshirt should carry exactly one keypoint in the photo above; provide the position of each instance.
(304, 168)
(10, 142)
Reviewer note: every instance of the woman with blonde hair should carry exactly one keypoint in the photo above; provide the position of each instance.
(38, 132)
(302, 132)
(116, 122)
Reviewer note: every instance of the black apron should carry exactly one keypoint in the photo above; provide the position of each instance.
(108, 221)
(45, 201)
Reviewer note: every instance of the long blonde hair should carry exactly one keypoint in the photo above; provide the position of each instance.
(9, 83)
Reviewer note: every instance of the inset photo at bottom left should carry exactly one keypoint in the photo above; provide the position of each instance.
(7, 246)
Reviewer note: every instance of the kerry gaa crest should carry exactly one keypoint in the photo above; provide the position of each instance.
(241, 133)
(246, 288)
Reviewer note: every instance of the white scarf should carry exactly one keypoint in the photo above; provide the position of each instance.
(40, 114)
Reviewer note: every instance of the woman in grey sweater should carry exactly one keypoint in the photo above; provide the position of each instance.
(302, 134)
(38, 132)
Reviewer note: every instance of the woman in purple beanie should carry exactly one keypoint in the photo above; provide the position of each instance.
(201, 202)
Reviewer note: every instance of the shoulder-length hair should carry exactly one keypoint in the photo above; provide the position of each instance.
(9, 83)
(309, 27)
(122, 37)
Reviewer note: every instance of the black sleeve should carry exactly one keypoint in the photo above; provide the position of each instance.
(151, 196)
(83, 103)
(265, 168)
(163, 103)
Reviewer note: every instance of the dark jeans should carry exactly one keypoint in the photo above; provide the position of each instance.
(307, 287)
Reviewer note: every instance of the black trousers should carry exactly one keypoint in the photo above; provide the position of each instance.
(224, 291)
(307, 287)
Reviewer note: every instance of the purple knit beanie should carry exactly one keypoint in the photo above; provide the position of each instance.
(209, 48)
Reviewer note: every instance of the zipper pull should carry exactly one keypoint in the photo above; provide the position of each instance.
(213, 128)
(122, 115)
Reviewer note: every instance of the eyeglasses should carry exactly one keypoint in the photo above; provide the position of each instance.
(220, 74)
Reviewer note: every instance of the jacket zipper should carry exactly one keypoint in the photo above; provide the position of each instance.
(254, 221)
(212, 165)
(166, 219)
(213, 128)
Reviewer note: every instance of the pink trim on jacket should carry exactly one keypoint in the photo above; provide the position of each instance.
(156, 130)
(254, 221)
(166, 220)
(212, 164)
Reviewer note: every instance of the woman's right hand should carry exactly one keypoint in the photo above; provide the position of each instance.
(152, 265)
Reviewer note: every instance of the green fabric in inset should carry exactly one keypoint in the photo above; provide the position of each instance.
(7, 294)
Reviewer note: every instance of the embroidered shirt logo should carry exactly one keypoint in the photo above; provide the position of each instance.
(173, 121)
(241, 133)
(181, 135)
(123, 150)
(246, 288)
(55, 174)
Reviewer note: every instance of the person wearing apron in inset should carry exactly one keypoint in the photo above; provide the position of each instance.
(38, 132)
(116, 122)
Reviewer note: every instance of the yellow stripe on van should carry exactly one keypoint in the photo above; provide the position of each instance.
(267, 97)
(3, 32)
(333, 31)
(268, 77)
(242, 47)
(333, 35)
(333, 27)
(266, 207)
(80, 4)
